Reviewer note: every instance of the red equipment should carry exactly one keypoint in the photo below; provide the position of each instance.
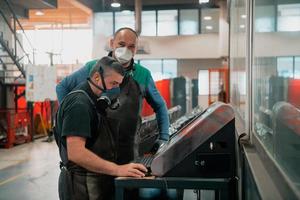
(15, 127)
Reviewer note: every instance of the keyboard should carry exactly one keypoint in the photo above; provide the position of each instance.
(184, 120)
(146, 160)
(173, 130)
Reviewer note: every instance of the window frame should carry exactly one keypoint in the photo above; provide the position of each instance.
(269, 178)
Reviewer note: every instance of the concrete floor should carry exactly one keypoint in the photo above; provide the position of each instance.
(30, 172)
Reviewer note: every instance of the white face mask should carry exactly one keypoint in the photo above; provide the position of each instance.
(123, 55)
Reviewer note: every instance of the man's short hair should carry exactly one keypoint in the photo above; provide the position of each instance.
(125, 28)
(105, 64)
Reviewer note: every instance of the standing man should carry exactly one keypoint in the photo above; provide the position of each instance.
(86, 137)
(137, 84)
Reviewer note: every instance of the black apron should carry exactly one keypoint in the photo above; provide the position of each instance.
(129, 117)
(77, 183)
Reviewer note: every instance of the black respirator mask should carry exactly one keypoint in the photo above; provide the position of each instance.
(109, 97)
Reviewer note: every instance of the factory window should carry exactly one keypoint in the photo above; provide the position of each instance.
(148, 23)
(161, 68)
(167, 22)
(155, 68)
(169, 68)
(283, 14)
(275, 99)
(210, 20)
(63, 44)
(124, 19)
(189, 22)
(285, 67)
(288, 17)
(203, 82)
(265, 18)
(160, 22)
(103, 19)
(288, 67)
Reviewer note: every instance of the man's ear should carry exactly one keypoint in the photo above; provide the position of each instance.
(96, 76)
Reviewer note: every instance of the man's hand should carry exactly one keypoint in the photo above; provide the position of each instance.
(131, 170)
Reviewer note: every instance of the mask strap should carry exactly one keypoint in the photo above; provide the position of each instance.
(94, 84)
(102, 80)
(102, 77)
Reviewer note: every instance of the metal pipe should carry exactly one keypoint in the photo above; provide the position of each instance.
(138, 16)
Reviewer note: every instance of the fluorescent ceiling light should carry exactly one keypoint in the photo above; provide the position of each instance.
(207, 18)
(203, 1)
(243, 16)
(115, 4)
(39, 13)
(209, 27)
(242, 26)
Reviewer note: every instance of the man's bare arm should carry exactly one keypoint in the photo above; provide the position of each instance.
(78, 154)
